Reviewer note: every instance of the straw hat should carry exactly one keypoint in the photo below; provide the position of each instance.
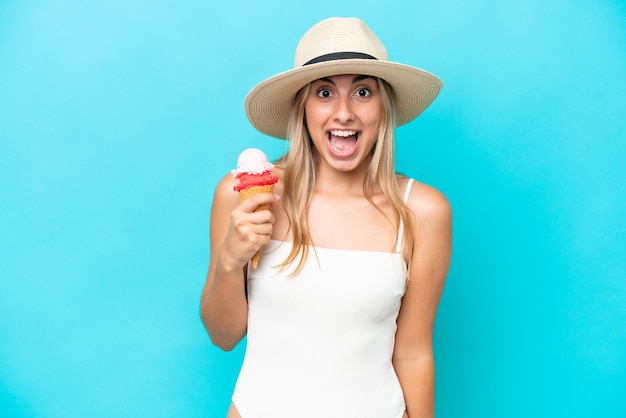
(332, 47)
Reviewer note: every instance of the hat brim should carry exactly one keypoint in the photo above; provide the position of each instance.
(268, 104)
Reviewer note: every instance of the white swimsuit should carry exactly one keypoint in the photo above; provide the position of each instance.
(320, 343)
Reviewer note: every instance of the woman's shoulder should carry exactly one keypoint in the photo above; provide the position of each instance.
(426, 201)
(226, 186)
(225, 197)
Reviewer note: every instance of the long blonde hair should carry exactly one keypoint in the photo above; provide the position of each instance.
(300, 175)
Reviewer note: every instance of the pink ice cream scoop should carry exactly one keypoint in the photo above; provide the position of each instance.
(253, 170)
(252, 161)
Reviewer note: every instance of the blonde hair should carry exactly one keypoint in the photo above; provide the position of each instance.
(300, 165)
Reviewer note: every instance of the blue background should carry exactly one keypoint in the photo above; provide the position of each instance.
(118, 118)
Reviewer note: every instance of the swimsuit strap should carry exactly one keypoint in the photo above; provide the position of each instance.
(407, 192)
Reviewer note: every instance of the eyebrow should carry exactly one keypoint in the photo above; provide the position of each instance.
(362, 77)
(356, 79)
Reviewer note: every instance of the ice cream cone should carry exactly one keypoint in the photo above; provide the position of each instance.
(252, 191)
(248, 193)
(255, 176)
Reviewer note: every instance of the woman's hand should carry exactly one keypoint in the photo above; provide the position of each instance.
(248, 230)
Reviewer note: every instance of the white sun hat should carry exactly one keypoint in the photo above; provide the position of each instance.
(338, 46)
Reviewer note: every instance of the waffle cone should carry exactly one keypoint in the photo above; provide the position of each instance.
(251, 191)
(248, 193)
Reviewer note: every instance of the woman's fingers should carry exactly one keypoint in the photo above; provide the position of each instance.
(249, 229)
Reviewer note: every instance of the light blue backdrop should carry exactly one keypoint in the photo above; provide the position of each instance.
(118, 118)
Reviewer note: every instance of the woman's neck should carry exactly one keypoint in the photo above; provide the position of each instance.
(333, 181)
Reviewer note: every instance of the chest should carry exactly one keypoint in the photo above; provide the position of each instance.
(351, 223)
(359, 286)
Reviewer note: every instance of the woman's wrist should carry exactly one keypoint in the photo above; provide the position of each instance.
(227, 264)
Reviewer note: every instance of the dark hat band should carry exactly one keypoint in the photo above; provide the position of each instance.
(339, 56)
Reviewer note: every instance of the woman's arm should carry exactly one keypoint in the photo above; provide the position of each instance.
(237, 232)
(413, 356)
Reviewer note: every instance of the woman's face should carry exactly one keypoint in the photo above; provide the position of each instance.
(343, 116)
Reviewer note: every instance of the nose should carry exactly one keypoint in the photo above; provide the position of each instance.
(343, 109)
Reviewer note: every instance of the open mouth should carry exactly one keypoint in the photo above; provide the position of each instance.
(342, 142)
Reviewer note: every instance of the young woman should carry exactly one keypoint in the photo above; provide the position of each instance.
(340, 311)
